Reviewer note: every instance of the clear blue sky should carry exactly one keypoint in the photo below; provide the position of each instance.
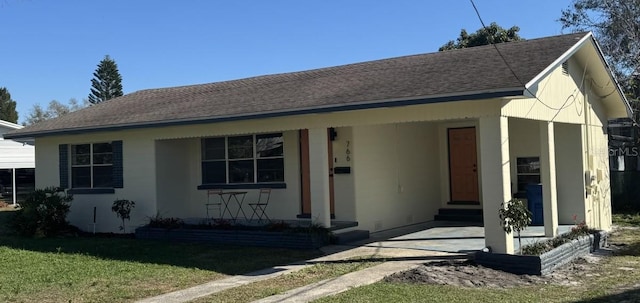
(49, 49)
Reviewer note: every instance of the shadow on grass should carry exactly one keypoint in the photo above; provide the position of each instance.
(631, 295)
(224, 259)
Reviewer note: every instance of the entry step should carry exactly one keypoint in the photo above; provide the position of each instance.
(351, 236)
(459, 214)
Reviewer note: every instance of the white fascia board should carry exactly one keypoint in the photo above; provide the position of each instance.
(575, 48)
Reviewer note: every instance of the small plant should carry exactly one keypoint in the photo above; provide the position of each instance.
(514, 216)
(579, 230)
(277, 226)
(222, 224)
(169, 223)
(122, 208)
(43, 213)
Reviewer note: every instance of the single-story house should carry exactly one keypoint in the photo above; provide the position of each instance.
(385, 143)
(17, 163)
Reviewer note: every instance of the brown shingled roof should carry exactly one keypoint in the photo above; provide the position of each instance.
(457, 72)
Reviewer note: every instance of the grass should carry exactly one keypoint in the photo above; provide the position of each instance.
(283, 283)
(626, 219)
(94, 269)
(615, 279)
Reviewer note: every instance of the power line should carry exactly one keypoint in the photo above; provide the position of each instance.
(509, 66)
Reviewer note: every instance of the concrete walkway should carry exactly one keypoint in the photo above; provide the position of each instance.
(402, 249)
(343, 283)
(397, 260)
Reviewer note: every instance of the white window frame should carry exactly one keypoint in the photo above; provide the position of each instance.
(91, 165)
(254, 159)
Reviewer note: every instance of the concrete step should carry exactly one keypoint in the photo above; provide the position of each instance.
(351, 236)
(460, 211)
(460, 218)
(455, 214)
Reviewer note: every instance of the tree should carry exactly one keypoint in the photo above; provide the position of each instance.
(122, 208)
(514, 216)
(7, 107)
(491, 34)
(616, 25)
(106, 83)
(54, 109)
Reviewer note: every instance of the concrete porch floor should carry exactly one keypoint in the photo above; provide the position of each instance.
(442, 236)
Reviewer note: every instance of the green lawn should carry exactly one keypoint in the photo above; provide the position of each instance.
(87, 269)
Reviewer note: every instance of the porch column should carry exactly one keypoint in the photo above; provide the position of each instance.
(319, 176)
(496, 180)
(548, 178)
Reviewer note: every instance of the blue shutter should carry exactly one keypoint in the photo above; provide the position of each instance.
(118, 181)
(63, 152)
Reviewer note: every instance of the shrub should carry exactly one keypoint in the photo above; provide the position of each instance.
(122, 208)
(43, 213)
(536, 249)
(277, 226)
(169, 223)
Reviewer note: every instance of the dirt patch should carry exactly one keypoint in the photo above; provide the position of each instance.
(469, 274)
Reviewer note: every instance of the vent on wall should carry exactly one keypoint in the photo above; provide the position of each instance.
(565, 68)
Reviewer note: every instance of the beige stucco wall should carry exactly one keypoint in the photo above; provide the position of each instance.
(396, 174)
(570, 173)
(179, 174)
(597, 164)
(138, 170)
(524, 141)
(560, 97)
(343, 184)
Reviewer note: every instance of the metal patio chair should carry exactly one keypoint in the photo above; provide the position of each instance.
(214, 202)
(259, 208)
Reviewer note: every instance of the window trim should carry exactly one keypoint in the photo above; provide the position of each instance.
(64, 169)
(91, 165)
(519, 173)
(255, 159)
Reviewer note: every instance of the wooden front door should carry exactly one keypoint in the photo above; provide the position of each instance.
(463, 165)
(305, 173)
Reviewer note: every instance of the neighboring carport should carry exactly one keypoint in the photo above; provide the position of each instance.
(17, 165)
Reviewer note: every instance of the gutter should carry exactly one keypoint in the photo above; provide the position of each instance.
(469, 96)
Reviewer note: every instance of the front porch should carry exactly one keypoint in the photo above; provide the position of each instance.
(384, 176)
(447, 236)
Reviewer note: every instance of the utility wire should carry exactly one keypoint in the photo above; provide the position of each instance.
(509, 66)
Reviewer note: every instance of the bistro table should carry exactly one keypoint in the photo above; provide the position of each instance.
(238, 197)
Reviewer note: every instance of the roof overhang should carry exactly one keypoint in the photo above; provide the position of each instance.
(465, 96)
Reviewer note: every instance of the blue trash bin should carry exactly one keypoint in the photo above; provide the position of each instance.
(534, 203)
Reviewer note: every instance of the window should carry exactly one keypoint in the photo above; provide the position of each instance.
(243, 159)
(528, 171)
(92, 165)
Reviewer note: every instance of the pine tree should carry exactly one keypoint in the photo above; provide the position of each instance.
(7, 107)
(106, 83)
